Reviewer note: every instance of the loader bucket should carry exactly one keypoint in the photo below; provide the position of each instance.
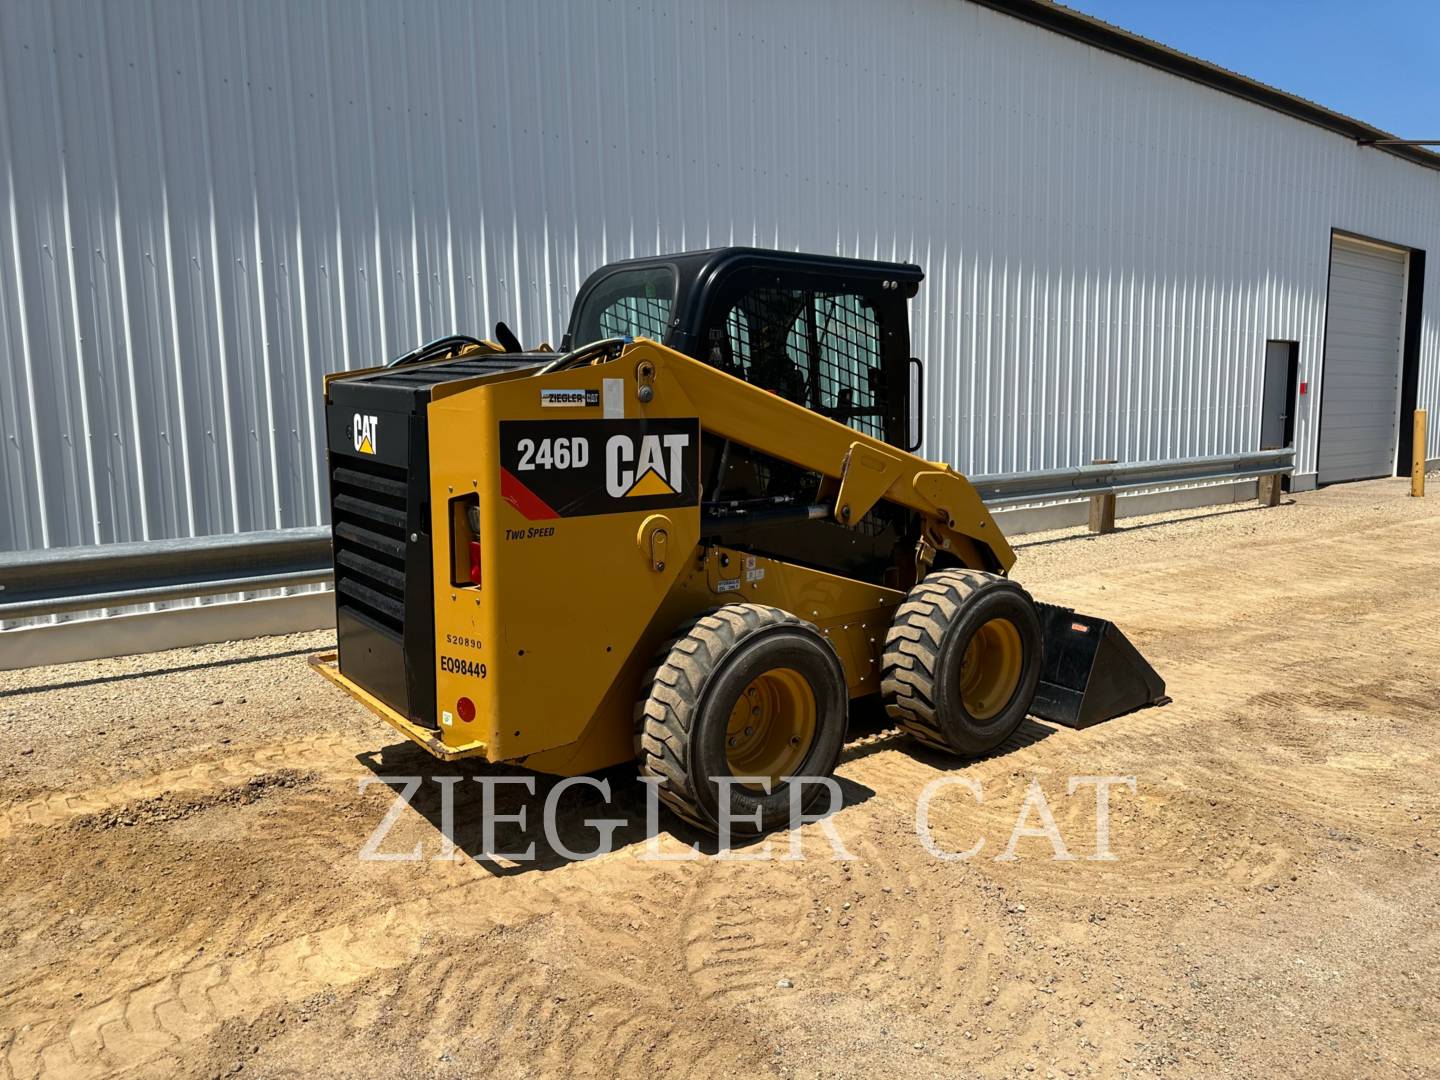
(1091, 671)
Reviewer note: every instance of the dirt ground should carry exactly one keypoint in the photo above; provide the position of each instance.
(184, 893)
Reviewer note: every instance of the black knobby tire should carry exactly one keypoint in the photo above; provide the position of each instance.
(688, 695)
(921, 675)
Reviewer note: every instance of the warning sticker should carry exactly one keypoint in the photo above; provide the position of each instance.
(614, 398)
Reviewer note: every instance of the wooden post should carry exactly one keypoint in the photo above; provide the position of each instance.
(1268, 490)
(1102, 507)
(1417, 455)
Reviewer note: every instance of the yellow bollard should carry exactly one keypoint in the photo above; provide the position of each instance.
(1417, 455)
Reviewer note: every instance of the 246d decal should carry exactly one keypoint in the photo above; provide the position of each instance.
(557, 468)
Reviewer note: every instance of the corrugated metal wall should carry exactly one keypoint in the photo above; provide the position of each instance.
(206, 206)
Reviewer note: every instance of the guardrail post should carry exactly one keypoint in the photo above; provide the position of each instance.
(1268, 490)
(1102, 506)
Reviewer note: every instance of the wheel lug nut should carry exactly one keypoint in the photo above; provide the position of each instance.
(755, 711)
(732, 740)
(749, 731)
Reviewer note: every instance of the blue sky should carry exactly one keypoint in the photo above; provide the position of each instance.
(1375, 60)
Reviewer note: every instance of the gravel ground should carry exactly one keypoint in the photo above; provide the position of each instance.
(183, 892)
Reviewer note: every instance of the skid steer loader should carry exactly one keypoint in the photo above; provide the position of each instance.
(690, 536)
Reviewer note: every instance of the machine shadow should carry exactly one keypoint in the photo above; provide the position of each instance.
(573, 835)
(130, 676)
(871, 731)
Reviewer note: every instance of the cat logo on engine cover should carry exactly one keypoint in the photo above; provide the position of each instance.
(575, 468)
(363, 430)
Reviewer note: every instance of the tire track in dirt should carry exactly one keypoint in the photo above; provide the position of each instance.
(1159, 827)
(587, 985)
(159, 1014)
(737, 943)
(929, 950)
(859, 927)
(93, 912)
(162, 1015)
(580, 986)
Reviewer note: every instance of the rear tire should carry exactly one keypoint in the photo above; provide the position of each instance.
(746, 690)
(962, 660)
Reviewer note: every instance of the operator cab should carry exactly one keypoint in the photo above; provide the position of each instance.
(827, 333)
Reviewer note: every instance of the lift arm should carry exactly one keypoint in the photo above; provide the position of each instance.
(867, 469)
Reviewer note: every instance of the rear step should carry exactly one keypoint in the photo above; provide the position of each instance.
(1092, 673)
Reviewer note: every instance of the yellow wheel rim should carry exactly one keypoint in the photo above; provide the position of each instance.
(771, 726)
(990, 668)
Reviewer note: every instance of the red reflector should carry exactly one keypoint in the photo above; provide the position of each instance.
(475, 562)
(466, 708)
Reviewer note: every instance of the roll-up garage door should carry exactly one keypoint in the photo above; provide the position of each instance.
(1360, 391)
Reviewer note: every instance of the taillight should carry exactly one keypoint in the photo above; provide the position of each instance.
(472, 517)
(465, 540)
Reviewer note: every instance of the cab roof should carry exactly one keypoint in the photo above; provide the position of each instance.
(700, 274)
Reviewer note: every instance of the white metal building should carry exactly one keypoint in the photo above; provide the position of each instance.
(205, 206)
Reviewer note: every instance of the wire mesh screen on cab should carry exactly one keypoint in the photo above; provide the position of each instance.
(636, 316)
(819, 350)
(632, 303)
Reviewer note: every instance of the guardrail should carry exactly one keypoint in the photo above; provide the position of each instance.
(57, 581)
(1009, 489)
(1102, 482)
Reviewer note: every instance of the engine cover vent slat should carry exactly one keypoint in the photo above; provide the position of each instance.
(366, 538)
(380, 485)
(369, 568)
(370, 511)
(372, 598)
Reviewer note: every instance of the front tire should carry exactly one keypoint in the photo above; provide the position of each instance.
(744, 691)
(962, 660)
